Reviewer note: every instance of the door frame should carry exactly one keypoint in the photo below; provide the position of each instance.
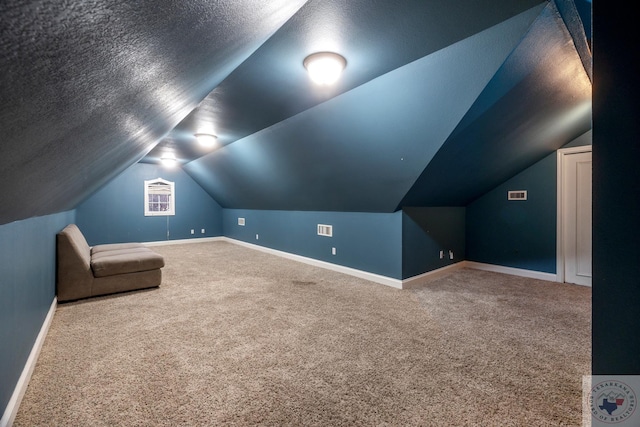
(561, 153)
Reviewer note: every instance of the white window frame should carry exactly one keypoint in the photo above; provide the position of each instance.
(171, 208)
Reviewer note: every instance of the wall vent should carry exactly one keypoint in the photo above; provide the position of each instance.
(240, 221)
(517, 195)
(325, 230)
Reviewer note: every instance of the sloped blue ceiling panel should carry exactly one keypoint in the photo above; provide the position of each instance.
(89, 87)
(360, 151)
(375, 37)
(538, 101)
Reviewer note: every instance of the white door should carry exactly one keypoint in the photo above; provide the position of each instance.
(576, 209)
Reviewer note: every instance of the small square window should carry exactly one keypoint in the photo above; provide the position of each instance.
(159, 197)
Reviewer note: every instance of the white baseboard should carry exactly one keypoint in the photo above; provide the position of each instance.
(513, 271)
(421, 279)
(21, 387)
(409, 283)
(377, 278)
(183, 241)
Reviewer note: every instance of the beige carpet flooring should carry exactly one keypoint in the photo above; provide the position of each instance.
(240, 337)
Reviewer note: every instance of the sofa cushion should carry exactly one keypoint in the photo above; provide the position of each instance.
(115, 247)
(129, 262)
(132, 250)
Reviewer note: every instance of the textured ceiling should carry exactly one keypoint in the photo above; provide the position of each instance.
(361, 150)
(539, 99)
(91, 87)
(375, 37)
(439, 130)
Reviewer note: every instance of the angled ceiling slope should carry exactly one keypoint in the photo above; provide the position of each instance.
(89, 87)
(539, 100)
(361, 150)
(376, 37)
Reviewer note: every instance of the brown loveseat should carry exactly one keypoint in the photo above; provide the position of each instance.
(84, 271)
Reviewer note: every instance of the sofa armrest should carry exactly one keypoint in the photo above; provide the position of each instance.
(73, 276)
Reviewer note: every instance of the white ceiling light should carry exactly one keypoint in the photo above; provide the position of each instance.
(206, 139)
(168, 159)
(325, 67)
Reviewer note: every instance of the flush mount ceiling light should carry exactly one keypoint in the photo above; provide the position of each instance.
(324, 67)
(168, 159)
(206, 139)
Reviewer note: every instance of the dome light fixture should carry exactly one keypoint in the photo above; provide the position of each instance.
(206, 139)
(168, 159)
(325, 68)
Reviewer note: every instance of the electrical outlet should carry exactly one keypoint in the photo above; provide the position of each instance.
(441, 254)
(193, 231)
(333, 251)
(450, 254)
(202, 231)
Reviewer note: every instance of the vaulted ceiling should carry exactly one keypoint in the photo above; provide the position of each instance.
(440, 101)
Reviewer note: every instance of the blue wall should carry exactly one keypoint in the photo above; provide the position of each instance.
(426, 232)
(27, 289)
(369, 242)
(520, 234)
(115, 213)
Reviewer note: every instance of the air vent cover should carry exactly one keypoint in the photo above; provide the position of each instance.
(325, 230)
(517, 195)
